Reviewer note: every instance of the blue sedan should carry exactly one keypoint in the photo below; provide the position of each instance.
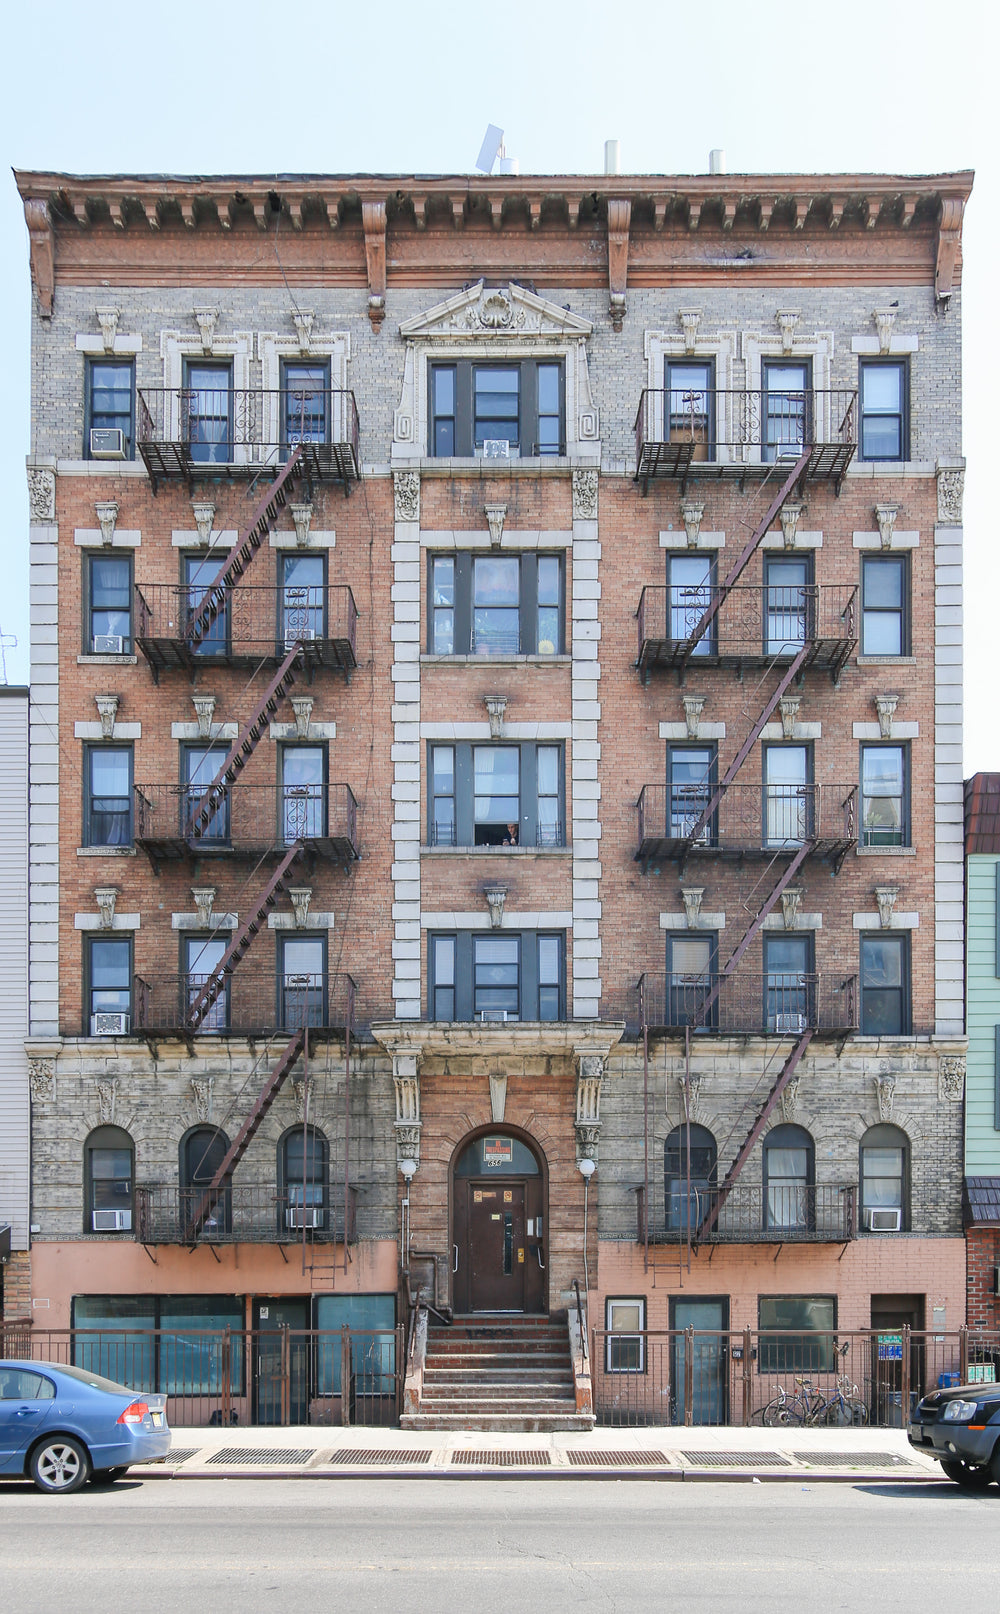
(63, 1426)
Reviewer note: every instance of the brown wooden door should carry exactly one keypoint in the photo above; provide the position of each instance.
(497, 1248)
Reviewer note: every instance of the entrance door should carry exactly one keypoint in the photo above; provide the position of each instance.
(497, 1245)
(710, 1376)
(499, 1250)
(889, 1315)
(281, 1379)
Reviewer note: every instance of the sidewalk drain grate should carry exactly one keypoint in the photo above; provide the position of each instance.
(502, 1459)
(617, 1459)
(262, 1454)
(735, 1459)
(347, 1455)
(182, 1453)
(852, 1459)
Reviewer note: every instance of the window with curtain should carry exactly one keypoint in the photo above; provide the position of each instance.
(108, 795)
(789, 1174)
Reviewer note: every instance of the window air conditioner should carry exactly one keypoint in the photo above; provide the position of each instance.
(107, 443)
(109, 1025)
(109, 644)
(300, 636)
(496, 448)
(785, 1023)
(112, 1221)
(493, 1016)
(883, 1221)
(304, 1216)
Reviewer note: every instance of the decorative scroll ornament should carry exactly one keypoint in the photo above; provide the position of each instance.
(950, 487)
(790, 515)
(107, 1093)
(302, 319)
(406, 493)
(789, 1099)
(107, 515)
(693, 705)
(951, 1078)
(787, 319)
(885, 515)
(885, 706)
(885, 899)
(41, 494)
(301, 515)
(204, 515)
(204, 706)
(41, 1079)
(496, 896)
(791, 903)
(495, 517)
(206, 320)
(788, 710)
(885, 1092)
(300, 897)
(496, 706)
(204, 901)
(498, 1095)
(885, 319)
(107, 319)
(692, 516)
(106, 896)
(584, 495)
(690, 1087)
(692, 895)
(107, 711)
(302, 707)
(689, 318)
(201, 1094)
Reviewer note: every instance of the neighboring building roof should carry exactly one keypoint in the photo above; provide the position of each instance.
(982, 1201)
(982, 813)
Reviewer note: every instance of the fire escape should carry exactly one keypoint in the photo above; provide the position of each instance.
(676, 438)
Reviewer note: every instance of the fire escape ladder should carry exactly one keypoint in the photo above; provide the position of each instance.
(743, 559)
(262, 522)
(237, 1149)
(784, 1077)
(209, 993)
(204, 807)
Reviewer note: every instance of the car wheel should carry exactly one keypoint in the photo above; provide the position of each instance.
(969, 1476)
(107, 1476)
(59, 1464)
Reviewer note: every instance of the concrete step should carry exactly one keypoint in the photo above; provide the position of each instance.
(497, 1392)
(499, 1423)
(498, 1376)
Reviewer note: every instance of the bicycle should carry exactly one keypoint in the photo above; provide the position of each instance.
(810, 1406)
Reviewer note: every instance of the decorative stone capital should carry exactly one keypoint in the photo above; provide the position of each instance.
(301, 515)
(496, 706)
(407, 1143)
(885, 515)
(107, 515)
(788, 709)
(407, 1124)
(106, 896)
(204, 707)
(41, 1079)
(107, 711)
(204, 901)
(791, 903)
(495, 514)
(885, 319)
(689, 318)
(693, 705)
(951, 1078)
(885, 706)
(885, 900)
(885, 1092)
(692, 515)
(787, 319)
(498, 1096)
(789, 1099)
(584, 495)
(300, 897)
(204, 515)
(302, 319)
(107, 319)
(107, 1095)
(690, 1088)
(790, 515)
(691, 896)
(201, 1096)
(406, 495)
(41, 494)
(206, 319)
(587, 1122)
(496, 896)
(302, 708)
(950, 488)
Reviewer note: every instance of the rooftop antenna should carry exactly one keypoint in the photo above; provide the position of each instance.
(493, 148)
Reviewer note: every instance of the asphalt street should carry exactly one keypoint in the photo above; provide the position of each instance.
(499, 1545)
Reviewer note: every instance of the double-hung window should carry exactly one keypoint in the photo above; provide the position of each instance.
(789, 1178)
(789, 604)
(786, 409)
(305, 403)
(302, 982)
(109, 589)
(107, 817)
(789, 984)
(207, 403)
(108, 963)
(690, 405)
(497, 410)
(200, 572)
(788, 795)
(884, 1162)
(109, 1161)
(497, 976)
(110, 409)
(884, 595)
(303, 598)
(884, 796)
(691, 771)
(691, 962)
(303, 793)
(689, 594)
(202, 956)
(884, 409)
(625, 1337)
(495, 605)
(885, 981)
(496, 795)
(200, 765)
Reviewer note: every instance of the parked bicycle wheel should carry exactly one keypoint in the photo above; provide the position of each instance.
(784, 1410)
(844, 1414)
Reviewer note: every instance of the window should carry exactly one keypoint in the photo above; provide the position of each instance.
(303, 598)
(107, 812)
(495, 605)
(475, 406)
(303, 981)
(108, 1157)
(789, 985)
(789, 605)
(625, 1321)
(109, 406)
(372, 1321)
(305, 403)
(200, 572)
(789, 1175)
(202, 1151)
(690, 968)
(686, 1199)
(208, 412)
(884, 596)
(884, 1163)
(109, 590)
(690, 782)
(883, 387)
(200, 765)
(495, 795)
(691, 405)
(23, 1384)
(114, 1335)
(884, 796)
(303, 793)
(303, 1174)
(809, 1346)
(786, 409)
(497, 976)
(788, 795)
(109, 984)
(202, 956)
(885, 973)
(689, 588)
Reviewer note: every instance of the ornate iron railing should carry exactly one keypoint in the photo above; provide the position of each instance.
(249, 819)
(748, 1213)
(763, 426)
(254, 623)
(754, 622)
(775, 1003)
(199, 431)
(254, 1002)
(246, 1213)
(752, 818)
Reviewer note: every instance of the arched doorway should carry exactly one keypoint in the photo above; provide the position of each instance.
(499, 1220)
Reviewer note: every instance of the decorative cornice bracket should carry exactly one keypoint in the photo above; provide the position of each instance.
(41, 247)
(619, 222)
(373, 220)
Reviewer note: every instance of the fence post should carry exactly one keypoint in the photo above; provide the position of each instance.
(227, 1378)
(286, 1376)
(963, 1354)
(904, 1376)
(688, 1377)
(345, 1376)
(747, 1377)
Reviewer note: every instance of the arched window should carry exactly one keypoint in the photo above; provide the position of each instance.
(303, 1177)
(681, 1210)
(202, 1152)
(789, 1179)
(885, 1160)
(108, 1168)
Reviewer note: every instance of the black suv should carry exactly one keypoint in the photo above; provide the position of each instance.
(961, 1428)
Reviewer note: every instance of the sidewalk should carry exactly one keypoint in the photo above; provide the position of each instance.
(803, 1455)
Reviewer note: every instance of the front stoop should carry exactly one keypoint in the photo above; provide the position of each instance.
(499, 1372)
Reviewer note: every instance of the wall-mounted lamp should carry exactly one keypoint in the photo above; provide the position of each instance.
(408, 1169)
(586, 1168)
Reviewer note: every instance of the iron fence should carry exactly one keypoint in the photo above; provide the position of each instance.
(674, 819)
(249, 819)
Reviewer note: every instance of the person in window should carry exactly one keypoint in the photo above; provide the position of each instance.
(511, 835)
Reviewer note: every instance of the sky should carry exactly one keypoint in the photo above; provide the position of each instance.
(242, 86)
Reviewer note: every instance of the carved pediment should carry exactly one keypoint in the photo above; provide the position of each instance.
(495, 312)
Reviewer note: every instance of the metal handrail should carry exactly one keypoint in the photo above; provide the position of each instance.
(580, 1320)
